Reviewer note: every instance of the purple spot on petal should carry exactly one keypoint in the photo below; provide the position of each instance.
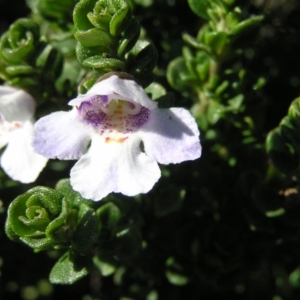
(94, 118)
(104, 99)
(139, 119)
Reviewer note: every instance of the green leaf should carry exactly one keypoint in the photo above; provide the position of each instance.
(64, 187)
(275, 213)
(99, 21)
(55, 10)
(222, 87)
(176, 278)
(94, 37)
(156, 90)
(215, 112)
(129, 37)
(17, 55)
(191, 41)
(27, 59)
(87, 84)
(83, 53)
(294, 278)
(178, 75)
(294, 113)
(98, 62)
(216, 41)
(80, 14)
(19, 70)
(174, 273)
(20, 42)
(36, 216)
(199, 7)
(291, 135)
(59, 220)
(142, 58)
(246, 25)
(281, 153)
(117, 22)
(86, 232)
(41, 60)
(16, 209)
(37, 244)
(260, 83)
(105, 266)
(109, 216)
(23, 82)
(235, 103)
(144, 3)
(10, 233)
(69, 269)
(203, 69)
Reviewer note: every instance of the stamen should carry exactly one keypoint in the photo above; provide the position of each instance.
(131, 109)
(108, 109)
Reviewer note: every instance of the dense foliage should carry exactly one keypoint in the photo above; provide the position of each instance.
(225, 226)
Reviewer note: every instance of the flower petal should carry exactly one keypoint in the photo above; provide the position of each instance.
(19, 161)
(171, 136)
(61, 135)
(4, 136)
(127, 89)
(114, 167)
(15, 104)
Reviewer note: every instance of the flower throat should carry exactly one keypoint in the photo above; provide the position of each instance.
(112, 118)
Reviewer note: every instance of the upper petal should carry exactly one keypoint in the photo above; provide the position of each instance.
(127, 89)
(171, 136)
(19, 160)
(61, 135)
(15, 104)
(114, 167)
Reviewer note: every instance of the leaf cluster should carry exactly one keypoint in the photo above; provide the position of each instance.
(104, 236)
(26, 59)
(108, 40)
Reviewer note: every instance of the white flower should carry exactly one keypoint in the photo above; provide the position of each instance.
(119, 135)
(19, 160)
